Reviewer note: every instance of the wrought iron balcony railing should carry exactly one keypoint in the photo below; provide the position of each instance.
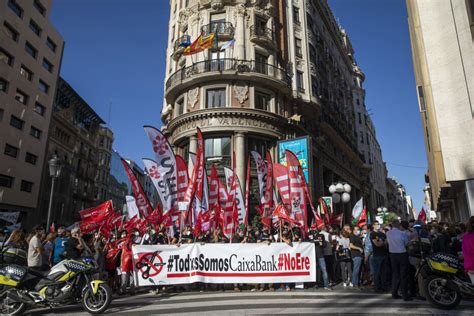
(262, 33)
(222, 29)
(228, 64)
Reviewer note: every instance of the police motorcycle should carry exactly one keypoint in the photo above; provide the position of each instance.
(68, 282)
(442, 279)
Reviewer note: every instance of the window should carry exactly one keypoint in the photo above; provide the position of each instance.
(361, 134)
(260, 25)
(31, 50)
(1, 114)
(261, 63)
(30, 158)
(36, 133)
(217, 23)
(16, 122)
(47, 65)
(40, 109)
(299, 81)
(360, 117)
(217, 61)
(215, 98)
(10, 31)
(11, 151)
(421, 98)
(180, 107)
(52, 45)
(38, 6)
(43, 86)
(25, 72)
(15, 8)
(26, 186)
(296, 15)
(3, 85)
(6, 181)
(298, 47)
(35, 28)
(6, 57)
(262, 101)
(357, 101)
(217, 147)
(314, 86)
(21, 97)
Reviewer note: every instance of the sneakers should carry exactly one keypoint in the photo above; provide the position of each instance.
(351, 285)
(328, 288)
(253, 290)
(345, 284)
(236, 289)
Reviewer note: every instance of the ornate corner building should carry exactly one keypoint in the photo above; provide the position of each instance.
(291, 72)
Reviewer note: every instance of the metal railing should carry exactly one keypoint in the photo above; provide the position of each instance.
(217, 27)
(182, 42)
(262, 32)
(228, 64)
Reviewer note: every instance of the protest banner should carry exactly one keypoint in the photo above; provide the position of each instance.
(224, 263)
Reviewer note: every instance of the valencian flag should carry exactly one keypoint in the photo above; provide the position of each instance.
(166, 164)
(201, 43)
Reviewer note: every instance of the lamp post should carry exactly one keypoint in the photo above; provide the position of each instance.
(340, 192)
(383, 211)
(54, 171)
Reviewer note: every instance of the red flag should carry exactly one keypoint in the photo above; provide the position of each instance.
(247, 191)
(422, 215)
(363, 218)
(282, 213)
(297, 192)
(183, 177)
(141, 199)
(93, 218)
(282, 182)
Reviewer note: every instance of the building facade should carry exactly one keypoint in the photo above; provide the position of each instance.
(445, 87)
(291, 72)
(118, 185)
(82, 145)
(398, 201)
(30, 60)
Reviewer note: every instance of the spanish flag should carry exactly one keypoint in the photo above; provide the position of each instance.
(201, 43)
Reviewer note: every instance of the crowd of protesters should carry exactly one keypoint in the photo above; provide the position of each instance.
(357, 257)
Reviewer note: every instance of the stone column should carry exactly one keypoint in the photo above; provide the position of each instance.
(192, 149)
(240, 32)
(240, 158)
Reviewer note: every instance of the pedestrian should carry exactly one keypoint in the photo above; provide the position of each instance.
(468, 248)
(48, 246)
(344, 257)
(357, 251)
(74, 245)
(35, 248)
(319, 244)
(398, 240)
(379, 250)
(328, 253)
(266, 237)
(59, 246)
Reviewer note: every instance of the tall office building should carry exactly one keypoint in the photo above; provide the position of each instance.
(442, 34)
(291, 72)
(30, 59)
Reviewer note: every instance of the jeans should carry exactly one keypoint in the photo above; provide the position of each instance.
(357, 262)
(399, 273)
(377, 275)
(322, 266)
(346, 270)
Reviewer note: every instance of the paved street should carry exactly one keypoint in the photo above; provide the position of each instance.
(340, 301)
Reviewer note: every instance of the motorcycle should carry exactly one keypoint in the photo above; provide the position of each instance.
(444, 281)
(68, 282)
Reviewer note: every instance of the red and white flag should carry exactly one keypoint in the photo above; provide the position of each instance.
(282, 182)
(183, 177)
(166, 162)
(297, 192)
(422, 215)
(261, 174)
(235, 194)
(141, 199)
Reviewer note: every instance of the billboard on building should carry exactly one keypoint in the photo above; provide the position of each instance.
(301, 148)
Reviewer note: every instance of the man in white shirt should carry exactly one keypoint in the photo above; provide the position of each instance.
(398, 239)
(35, 248)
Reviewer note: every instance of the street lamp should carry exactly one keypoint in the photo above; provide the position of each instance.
(340, 192)
(54, 171)
(382, 210)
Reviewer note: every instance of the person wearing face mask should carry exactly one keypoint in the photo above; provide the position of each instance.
(187, 236)
(357, 251)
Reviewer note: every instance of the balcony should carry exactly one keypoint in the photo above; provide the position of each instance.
(224, 30)
(229, 69)
(179, 45)
(263, 36)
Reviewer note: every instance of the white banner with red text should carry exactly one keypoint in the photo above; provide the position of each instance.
(224, 263)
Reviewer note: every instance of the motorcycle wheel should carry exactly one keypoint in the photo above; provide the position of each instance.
(103, 297)
(9, 307)
(439, 295)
